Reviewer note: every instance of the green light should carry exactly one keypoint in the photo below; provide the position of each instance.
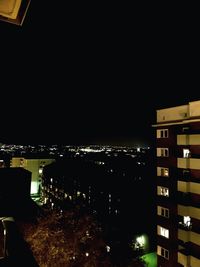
(150, 259)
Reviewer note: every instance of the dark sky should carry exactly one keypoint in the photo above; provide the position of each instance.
(78, 77)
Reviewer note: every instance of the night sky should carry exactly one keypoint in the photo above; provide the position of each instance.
(82, 77)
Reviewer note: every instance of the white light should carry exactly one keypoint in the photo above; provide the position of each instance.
(164, 232)
(40, 171)
(87, 233)
(140, 240)
(34, 187)
(186, 153)
(86, 254)
(187, 220)
(108, 248)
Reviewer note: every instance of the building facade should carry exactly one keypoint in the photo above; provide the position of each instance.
(178, 185)
(14, 191)
(35, 166)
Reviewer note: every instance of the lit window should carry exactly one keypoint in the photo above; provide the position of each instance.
(162, 152)
(163, 211)
(186, 153)
(162, 231)
(165, 172)
(162, 191)
(187, 221)
(162, 133)
(163, 252)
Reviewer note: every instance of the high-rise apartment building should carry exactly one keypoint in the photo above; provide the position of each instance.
(178, 185)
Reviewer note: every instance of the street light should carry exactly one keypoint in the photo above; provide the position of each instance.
(4, 220)
(140, 241)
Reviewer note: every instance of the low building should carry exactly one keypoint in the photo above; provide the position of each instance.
(15, 184)
(35, 166)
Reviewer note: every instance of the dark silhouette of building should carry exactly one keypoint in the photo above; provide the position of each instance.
(117, 189)
(15, 203)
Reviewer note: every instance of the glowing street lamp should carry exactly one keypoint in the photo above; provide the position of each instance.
(141, 241)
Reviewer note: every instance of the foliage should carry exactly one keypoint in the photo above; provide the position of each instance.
(67, 239)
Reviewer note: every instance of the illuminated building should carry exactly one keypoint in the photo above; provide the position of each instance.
(35, 166)
(106, 184)
(79, 181)
(178, 185)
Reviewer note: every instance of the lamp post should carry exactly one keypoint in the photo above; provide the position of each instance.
(4, 220)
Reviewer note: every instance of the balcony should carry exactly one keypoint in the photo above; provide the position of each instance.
(189, 236)
(188, 187)
(188, 163)
(189, 211)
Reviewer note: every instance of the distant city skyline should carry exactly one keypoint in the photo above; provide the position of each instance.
(110, 125)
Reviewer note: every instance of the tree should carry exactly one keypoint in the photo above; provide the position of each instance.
(67, 239)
